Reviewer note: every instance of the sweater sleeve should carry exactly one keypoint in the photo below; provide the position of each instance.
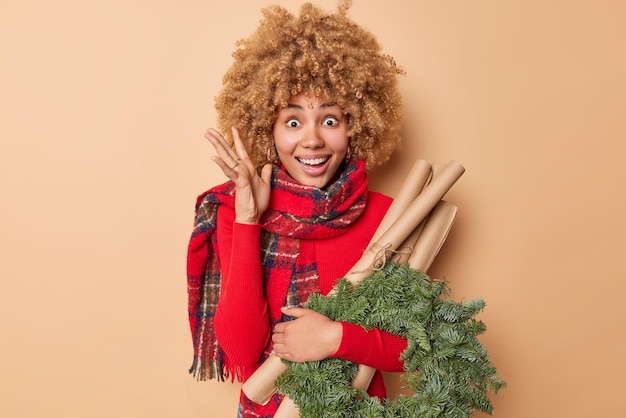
(375, 348)
(241, 323)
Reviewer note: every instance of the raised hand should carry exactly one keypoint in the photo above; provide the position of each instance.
(252, 191)
(311, 336)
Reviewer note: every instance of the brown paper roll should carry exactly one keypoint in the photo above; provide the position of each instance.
(260, 386)
(402, 254)
(417, 211)
(433, 235)
(411, 187)
(402, 227)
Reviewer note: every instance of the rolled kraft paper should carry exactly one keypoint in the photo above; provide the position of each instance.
(402, 254)
(437, 167)
(260, 387)
(414, 214)
(433, 234)
(411, 187)
(422, 205)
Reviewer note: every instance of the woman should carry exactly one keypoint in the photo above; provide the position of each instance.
(310, 103)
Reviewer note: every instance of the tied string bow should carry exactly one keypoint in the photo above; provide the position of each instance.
(383, 254)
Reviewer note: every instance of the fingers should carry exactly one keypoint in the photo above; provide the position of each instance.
(252, 190)
(266, 173)
(311, 336)
(279, 340)
(223, 149)
(294, 311)
(226, 157)
(239, 148)
(219, 143)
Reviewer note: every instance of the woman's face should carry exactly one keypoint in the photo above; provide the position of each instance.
(311, 139)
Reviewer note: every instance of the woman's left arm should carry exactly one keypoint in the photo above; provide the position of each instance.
(375, 348)
(312, 336)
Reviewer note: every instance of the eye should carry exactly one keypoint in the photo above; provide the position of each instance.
(331, 121)
(293, 123)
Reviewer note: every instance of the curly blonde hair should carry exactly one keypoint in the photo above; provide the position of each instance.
(324, 55)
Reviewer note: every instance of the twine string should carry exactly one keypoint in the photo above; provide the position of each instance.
(385, 253)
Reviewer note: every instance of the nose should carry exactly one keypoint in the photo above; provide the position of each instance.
(312, 138)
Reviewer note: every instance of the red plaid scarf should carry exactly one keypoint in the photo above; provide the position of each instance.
(296, 215)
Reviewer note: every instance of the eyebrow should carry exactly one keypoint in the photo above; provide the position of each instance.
(322, 106)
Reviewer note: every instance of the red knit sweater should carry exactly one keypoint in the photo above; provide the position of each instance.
(242, 324)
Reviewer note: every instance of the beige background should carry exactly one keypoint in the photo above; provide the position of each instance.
(102, 109)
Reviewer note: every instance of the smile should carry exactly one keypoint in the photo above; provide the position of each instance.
(313, 161)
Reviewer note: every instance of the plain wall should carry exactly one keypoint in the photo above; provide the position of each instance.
(102, 109)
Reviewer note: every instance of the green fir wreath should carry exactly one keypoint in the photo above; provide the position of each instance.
(447, 369)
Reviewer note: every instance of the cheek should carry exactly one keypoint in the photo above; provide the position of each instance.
(340, 142)
(284, 142)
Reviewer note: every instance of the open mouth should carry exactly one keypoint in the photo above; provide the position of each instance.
(313, 162)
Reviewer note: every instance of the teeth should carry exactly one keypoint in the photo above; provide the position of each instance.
(313, 161)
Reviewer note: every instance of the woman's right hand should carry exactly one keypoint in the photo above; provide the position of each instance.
(252, 194)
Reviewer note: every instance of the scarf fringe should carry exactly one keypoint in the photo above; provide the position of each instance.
(203, 370)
